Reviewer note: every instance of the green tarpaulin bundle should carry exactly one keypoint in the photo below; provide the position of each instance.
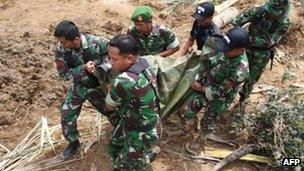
(174, 76)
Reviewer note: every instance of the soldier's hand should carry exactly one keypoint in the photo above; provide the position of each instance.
(90, 66)
(196, 86)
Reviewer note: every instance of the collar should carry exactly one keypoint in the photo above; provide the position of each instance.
(138, 66)
(84, 42)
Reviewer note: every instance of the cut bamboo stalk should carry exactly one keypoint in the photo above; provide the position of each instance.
(42, 140)
(48, 134)
(29, 147)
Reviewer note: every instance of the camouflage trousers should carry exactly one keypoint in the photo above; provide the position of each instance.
(258, 60)
(71, 107)
(128, 148)
(214, 108)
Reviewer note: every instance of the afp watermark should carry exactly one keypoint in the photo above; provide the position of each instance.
(291, 161)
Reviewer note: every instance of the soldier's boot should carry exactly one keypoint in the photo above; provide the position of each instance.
(72, 149)
(208, 123)
(153, 153)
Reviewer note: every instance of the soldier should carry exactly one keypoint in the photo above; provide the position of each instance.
(218, 85)
(152, 39)
(75, 58)
(132, 96)
(268, 25)
(202, 27)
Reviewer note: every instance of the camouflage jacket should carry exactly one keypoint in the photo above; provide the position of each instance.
(159, 40)
(224, 76)
(70, 62)
(264, 32)
(133, 95)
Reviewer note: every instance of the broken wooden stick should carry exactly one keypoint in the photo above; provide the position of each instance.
(201, 156)
(235, 155)
(218, 139)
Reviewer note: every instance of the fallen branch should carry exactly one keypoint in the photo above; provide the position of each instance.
(235, 155)
(263, 88)
(199, 161)
(175, 153)
(218, 139)
(203, 157)
(189, 150)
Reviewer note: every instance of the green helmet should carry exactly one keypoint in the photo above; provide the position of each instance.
(278, 7)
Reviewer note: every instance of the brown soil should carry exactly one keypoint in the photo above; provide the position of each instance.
(30, 87)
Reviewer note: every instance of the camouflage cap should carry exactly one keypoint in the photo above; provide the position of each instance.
(142, 13)
(277, 7)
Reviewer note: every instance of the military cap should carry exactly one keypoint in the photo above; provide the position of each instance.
(236, 37)
(204, 10)
(142, 13)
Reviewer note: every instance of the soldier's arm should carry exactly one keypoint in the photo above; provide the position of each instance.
(212, 61)
(246, 17)
(268, 40)
(190, 40)
(279, 33)
(171, 40)
(237, 75)
(188, 44)
(100, 46)
(78, 74)
(115, 95)
(209, 63)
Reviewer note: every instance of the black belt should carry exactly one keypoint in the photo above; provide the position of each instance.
(144, 128)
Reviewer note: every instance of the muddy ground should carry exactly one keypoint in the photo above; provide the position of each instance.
(30, 87)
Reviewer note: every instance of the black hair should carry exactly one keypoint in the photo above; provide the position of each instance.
(125, 43)
(67, 29)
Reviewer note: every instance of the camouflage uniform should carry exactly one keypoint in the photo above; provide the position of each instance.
(218, 95)
(85, 86)
(159, 40)
(139, 128)
(265, 34)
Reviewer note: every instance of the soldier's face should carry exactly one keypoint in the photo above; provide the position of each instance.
(143, 27)
(69, 44)
(205, 22)
(235, 52)
(119, 62)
